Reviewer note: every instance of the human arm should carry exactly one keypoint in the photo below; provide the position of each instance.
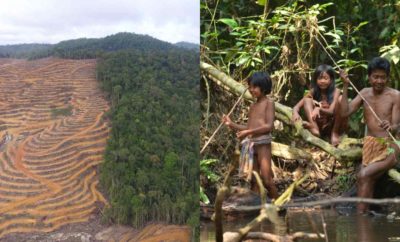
(265, 128)
(331, 109)
(296, 109)
(347, 109)
(228, 122)
(394, 125)
(299, 105)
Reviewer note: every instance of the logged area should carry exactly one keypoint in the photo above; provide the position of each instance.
(52, 138)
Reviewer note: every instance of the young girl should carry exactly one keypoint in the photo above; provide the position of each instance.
(321, 105)
(256, 135)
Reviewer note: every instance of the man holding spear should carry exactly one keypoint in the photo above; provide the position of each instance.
(382, 116)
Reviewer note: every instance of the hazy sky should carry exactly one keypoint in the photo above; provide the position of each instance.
(51, 21)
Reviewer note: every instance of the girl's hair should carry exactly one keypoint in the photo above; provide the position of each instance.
(331, 89)
(261, 80)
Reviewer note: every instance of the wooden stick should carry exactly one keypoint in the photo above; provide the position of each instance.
(220, 125)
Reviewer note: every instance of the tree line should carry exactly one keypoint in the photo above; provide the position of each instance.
(87, 48)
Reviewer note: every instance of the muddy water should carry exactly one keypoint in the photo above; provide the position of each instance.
(345, 226)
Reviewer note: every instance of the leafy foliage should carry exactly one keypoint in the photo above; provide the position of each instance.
(290, 38)
(206, 172)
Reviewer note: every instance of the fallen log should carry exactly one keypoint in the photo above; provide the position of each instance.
(289, 153)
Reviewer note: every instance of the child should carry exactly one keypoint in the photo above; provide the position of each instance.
(321, 105)
(258, 133)
(385, 101)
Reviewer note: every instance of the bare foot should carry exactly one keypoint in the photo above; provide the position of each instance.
(306, 125)
(335, 139)
(311, 127)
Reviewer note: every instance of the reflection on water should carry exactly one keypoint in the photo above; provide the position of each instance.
(341, 228)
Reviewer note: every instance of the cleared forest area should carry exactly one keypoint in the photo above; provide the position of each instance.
(53, 133)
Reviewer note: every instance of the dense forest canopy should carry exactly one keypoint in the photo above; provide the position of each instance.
(150, 169)
(85, 48)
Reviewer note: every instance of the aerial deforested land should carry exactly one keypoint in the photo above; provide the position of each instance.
(53, 134)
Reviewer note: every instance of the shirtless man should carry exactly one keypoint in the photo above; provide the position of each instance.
(257, 133)
(385, 101)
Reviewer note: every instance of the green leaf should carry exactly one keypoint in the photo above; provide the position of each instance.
(283, 12)
(230, 22)
(243, 59)
(395, 59)
(354, 50)
(360, 25)
(325, 5)
(239, 43)
(261, 2)
(393, 54)
(267, 50)
(339, 32)
(336, 36)
(203, 196)
(256, 59)
(207, 162)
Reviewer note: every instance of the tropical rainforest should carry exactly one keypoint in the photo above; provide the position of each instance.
(288, 39)
(150, 168)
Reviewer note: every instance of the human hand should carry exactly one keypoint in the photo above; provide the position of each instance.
(242, 134)
(344, 76)
(315, 113)
(295, 117)
(385, 125)
(227, 121)
(316, 103)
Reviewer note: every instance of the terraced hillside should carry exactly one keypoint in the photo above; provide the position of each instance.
(52, 137)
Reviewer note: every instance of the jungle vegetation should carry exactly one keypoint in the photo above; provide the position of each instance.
(289, 39)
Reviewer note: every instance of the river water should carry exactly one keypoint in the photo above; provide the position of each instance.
(341, 225)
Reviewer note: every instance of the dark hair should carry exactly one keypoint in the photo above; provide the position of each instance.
(331, 89)
(261, 80)
(379, 63)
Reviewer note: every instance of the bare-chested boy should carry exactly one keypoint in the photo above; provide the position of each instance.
(257, 133)
(385, 101)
